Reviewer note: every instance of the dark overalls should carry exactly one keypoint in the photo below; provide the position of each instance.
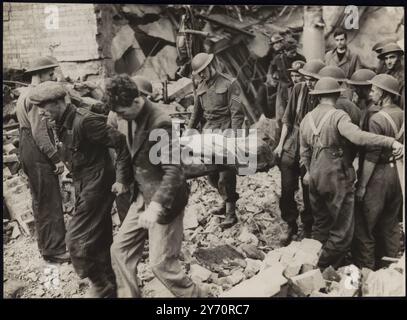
(44, 184)
(326, 137)
(377, 231)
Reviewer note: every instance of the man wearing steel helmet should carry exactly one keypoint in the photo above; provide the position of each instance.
(393, 57)
(325, 132)
(343, 102)
(42, 164)
(219, 103)
(378, 47)
(361, 87)
(299, 104)
(377, 232)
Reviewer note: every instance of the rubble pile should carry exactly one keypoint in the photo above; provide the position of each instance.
(243, 261)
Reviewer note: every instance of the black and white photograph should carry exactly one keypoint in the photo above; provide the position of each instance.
(203, 151)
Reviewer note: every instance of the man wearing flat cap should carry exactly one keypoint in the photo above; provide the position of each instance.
(42, 165)
(86, 139)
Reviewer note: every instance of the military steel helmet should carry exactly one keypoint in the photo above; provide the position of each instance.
(296, 65)
(200, 62)
(326, 85)
(386, 82)
(143, 85)
(390, 48)
(378, 47)
(42, 63)
(331, 71)
(311, 68)
(360, 77)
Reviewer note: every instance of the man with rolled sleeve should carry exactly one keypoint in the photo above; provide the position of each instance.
(326, 134)
(219, 104)
(86, 139)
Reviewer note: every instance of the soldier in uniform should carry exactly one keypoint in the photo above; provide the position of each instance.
(360, 87)
(42, 164)
(392, 55)
(343, 102)
(361, 91)
(378, 47)
(325, 132)
(377, 231)
(299, 104)
(86, 139)
(219, 104)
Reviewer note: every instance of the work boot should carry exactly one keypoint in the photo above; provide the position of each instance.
(231, 218)
(101, 287)
(286, 239)
(58, 258)
(219, 211)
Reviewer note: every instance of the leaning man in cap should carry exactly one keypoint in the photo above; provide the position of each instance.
(86, 139)
(161, 194)
(325, 153)
(42, 165)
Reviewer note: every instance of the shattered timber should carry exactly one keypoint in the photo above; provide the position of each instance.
(240, 66)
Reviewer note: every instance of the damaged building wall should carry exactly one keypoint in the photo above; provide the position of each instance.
(376, 24)
(29, 32)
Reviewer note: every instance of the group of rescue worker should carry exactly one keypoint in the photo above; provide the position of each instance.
(327, 114)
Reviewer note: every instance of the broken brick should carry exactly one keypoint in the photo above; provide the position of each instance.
(199, 273)
(252, 267)
(252, 252)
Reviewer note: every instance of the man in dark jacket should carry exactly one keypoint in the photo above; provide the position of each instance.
(342, 56)
(161, 194)
(219, 104)
(86, 139)
(42, 165)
